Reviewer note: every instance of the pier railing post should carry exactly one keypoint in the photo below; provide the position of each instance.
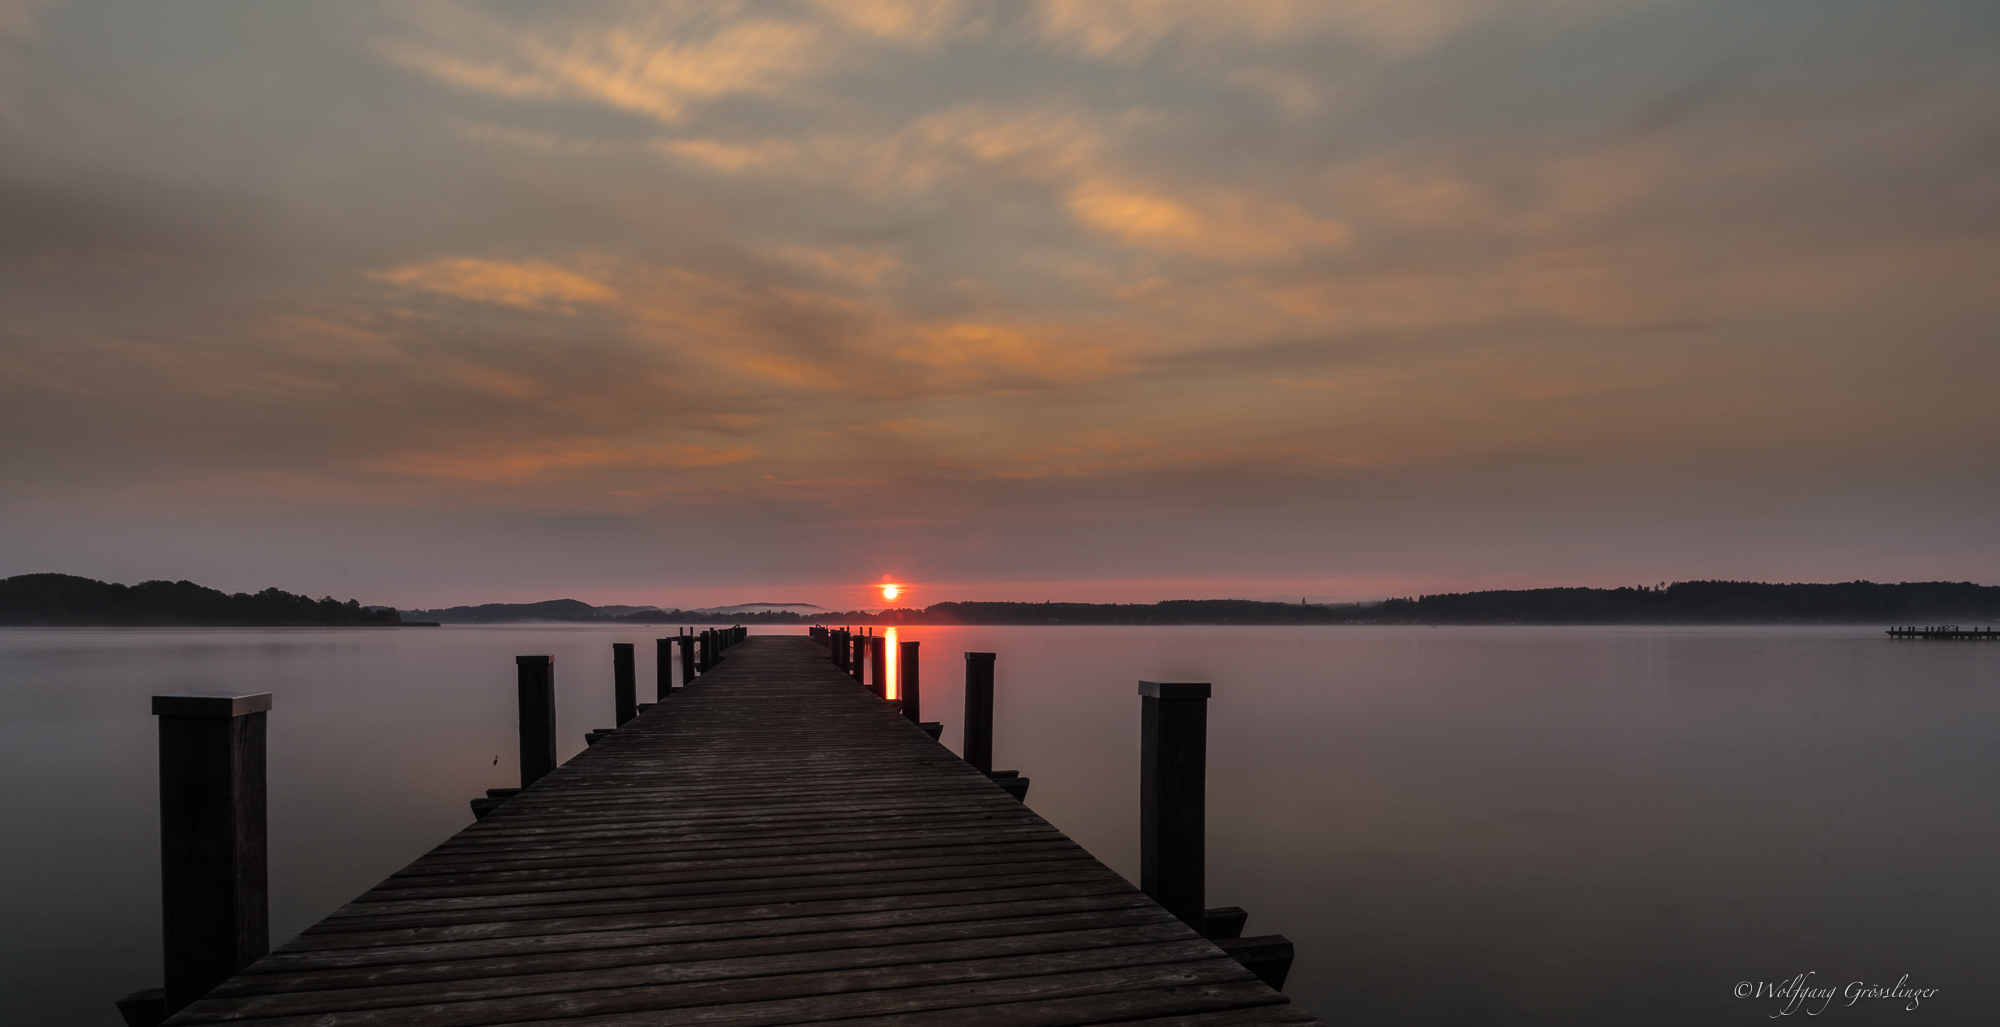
(858, 657)
(214, 856)
(663, 668)
(536, 682)
(1173, 815)
(624, 684)
(878, 666)
(687, 659)
(1173, 755)
(908, 687)
(979, 711)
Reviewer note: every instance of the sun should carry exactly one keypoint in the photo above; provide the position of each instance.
(891, 591)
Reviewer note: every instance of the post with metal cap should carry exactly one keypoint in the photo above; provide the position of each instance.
(1173, 756)
(979, 711)
(624, 684)
(214, 858)
(663, 668)
(536, 681)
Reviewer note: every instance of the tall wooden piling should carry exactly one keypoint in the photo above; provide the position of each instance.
(979, 711)
(214, 856)
(663, 668)
(1173, 756)
(878, 666)
(536, 682)
(859, 658)
(624, 684)
(687, 659)
(907, 685)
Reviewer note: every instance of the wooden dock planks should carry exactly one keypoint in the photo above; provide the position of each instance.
(772, 846)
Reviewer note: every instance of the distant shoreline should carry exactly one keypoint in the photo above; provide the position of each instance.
(61, 600)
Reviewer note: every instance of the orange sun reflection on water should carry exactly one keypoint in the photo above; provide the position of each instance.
(889, 690)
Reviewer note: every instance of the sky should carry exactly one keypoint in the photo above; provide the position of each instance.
(1079, 300)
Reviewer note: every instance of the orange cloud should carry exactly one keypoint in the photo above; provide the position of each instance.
(534, 285)
(552, 460)
(653, 67)
(1223, 226)
(967, 350)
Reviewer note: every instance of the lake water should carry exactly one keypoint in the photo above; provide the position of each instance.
(1454, 825)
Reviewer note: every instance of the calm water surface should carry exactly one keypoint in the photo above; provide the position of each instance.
(1455, 825)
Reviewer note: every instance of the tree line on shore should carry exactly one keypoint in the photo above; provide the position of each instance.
(67, 600)
(1707, 602)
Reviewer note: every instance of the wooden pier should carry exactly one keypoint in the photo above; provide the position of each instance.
(773, 845)
(1945, 632)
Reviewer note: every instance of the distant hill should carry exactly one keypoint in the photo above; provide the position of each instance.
(575, 611)
(65, 600)
(799, 608)
(510, 613)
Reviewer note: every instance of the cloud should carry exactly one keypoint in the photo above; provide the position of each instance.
(555, 461)
(19, 21)
(859, 266)
(652, 62)
(953, 274)
(1228, 225)
(987, 356)
(1123, 29)
(531, 285)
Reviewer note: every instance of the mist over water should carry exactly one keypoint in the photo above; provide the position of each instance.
(1456, 825)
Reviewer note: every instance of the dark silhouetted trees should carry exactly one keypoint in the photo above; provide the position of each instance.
(1707, 602)
(65, 600)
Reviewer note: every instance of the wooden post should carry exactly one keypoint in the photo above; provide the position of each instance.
(878, 666)
(214, 856)
(906, 681)
(536, 682)
(1173, 756)
(687, 659)
(663, 668)
(979, 711)
(624, 684)
(858, 657)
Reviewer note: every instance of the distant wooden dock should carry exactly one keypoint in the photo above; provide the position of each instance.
(1945, 632)
(773, 845)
